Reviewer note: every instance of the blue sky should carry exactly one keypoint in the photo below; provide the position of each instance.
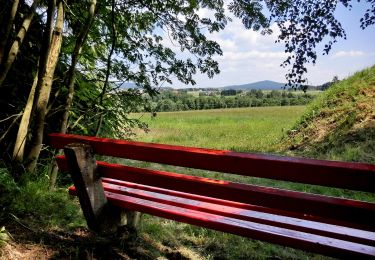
(250, 57)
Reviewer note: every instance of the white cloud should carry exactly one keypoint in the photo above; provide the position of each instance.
(249, 56)
(254, 54)
(245, 39)
(227, 45)
(269, 66)
(351, 53)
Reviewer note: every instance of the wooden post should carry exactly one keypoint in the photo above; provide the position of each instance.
(100, 216)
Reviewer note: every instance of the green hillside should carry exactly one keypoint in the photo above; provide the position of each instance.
(339, 124)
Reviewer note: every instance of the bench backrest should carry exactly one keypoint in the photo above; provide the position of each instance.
(355, 176)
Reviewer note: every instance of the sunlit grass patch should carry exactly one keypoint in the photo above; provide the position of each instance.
(240, 129)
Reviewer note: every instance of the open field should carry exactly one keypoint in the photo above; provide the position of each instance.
(258, 129)
(246, 129)
(240, 129)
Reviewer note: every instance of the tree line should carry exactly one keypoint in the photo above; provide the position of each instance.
(181, 101)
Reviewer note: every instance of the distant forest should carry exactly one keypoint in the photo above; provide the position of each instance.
(180, 100)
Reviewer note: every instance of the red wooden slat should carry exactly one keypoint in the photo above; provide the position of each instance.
(354, 176)
(235, 204)
(333, 231)
(193, 196)
(301, 240)
(328, 207)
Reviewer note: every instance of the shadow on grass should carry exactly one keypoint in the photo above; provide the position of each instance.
(80, 243)
(346, 143)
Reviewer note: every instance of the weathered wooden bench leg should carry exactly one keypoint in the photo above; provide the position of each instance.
(133, 218)
(100, 216)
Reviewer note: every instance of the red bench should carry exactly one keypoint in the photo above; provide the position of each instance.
(322, 224)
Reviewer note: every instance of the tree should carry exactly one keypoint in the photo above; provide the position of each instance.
(126, 42)
(44, 90)
(136, 45)
(6, 30)
(303, 25)
(228, 92)
(7, 60)
(71, 78)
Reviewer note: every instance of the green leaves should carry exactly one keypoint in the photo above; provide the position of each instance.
(142, 30)
(304, 25)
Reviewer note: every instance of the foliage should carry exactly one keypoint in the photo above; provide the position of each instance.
(135, 32)
(116, 105)
(182, 101)
(328, 84)
(228, 92)
(8, 189)
(304, 25)
(41, 207)
(33, 202)
(18, 82)
(128, 42)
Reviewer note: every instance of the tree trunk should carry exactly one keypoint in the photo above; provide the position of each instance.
(45, 89)
(109, 62)
(75, 56)
(23, 129)
(19, 146)
(71, 80)
(9, 25)
(7, 64)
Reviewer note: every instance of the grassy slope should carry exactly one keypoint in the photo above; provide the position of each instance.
(340, 124)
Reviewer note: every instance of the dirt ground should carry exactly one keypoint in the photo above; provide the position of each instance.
(27, 243)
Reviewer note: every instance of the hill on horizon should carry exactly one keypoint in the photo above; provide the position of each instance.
(263, 85)
(127, 85)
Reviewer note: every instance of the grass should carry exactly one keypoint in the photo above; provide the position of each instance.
(239, 129)
(199, 243)
(339, 125)
(50, 209)
(40, 207)
(249, 129)
(4, 237)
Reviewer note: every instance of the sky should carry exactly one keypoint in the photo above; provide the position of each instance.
(249, 56)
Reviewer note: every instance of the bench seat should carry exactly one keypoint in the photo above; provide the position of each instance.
(241, 219)
(327, 225)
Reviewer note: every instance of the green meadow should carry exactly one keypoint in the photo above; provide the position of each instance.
(244, 129)
(239, 129)
(260, 129)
